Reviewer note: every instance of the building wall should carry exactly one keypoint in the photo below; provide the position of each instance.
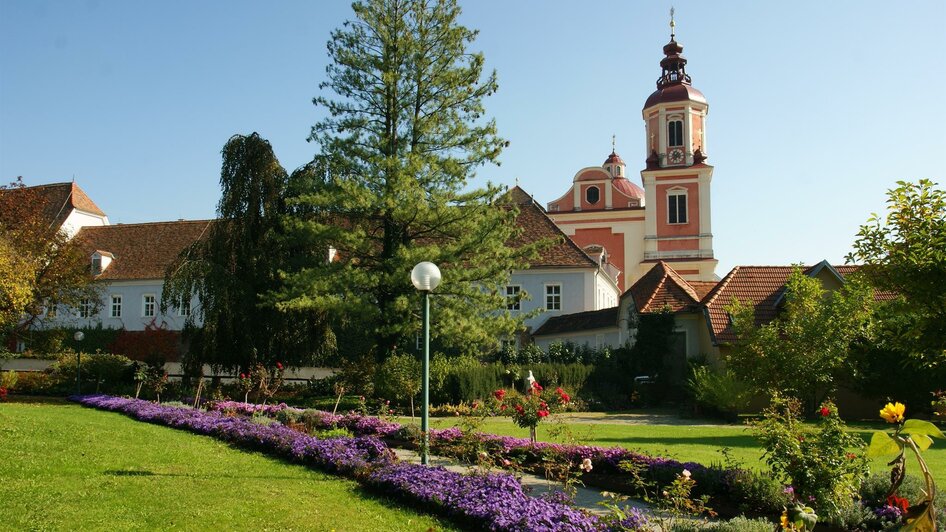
(577, 291)
(77, 219)
(132, 316)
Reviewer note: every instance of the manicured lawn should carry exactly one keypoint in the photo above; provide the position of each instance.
(695, 442)
(64, 467)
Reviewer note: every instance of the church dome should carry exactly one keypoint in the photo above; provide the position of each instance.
(674, 82)
(629, 189)
(614, 158)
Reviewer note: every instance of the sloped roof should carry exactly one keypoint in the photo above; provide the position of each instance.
(536, 225)
(579, 322)
(59, 199)
(763, 286)
(141, 251)
(662, 287)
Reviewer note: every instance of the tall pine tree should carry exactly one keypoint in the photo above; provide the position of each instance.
(403, 135)
(238, 263)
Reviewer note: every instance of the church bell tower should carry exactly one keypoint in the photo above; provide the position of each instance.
(676, 179)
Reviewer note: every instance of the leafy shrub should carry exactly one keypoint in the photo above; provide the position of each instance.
(107, 372)
(42, 383)
(8, 380)
(399, 378)
(757, 493)
(817, 464)
(875, 487)
(719, 390)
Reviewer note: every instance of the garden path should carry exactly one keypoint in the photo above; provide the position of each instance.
(586, 498)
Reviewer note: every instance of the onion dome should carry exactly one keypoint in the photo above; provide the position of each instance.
(614, 158)
(674, 82)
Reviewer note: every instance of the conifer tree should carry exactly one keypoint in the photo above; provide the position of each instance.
(237, 263)
(403, 135)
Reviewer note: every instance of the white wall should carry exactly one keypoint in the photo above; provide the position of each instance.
(78, 219)
(576, 297)
(132, 318)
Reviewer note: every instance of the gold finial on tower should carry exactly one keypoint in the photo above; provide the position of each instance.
(673, 25)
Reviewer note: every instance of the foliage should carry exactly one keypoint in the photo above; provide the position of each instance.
(804, 350)
(399, 377)
(917, 436)
(558, 353)
(736, 524)
(155, 344)
(719, 390)
(533, 406)
(818, 465)
(39, 257)
(238, 262)
(906, 254)
(103, 372)
(403, 137)
(8, 380)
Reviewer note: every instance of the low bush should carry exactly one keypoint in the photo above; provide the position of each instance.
(736, 524)
(719, 391)
(8, 380)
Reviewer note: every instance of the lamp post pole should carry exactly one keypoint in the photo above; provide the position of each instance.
(425, 409)
(78, 336)
(426, 277)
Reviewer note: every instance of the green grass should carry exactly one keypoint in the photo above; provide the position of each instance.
(64, 467)
(691, 442)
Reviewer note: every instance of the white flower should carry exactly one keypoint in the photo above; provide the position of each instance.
(686, 473)
(586, 465)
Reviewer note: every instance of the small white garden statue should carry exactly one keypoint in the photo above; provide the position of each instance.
(530, 380)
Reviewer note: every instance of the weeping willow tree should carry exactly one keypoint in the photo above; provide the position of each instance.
(404, 134)
(237, 263)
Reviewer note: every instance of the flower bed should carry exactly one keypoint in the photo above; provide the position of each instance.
(733, 490)
(495, 501)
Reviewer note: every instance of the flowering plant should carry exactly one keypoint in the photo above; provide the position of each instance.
(818, 465)
(915, 435)
(3, 394)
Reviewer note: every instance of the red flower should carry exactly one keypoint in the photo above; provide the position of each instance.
(242, 376)
(825, 412)
(499, 394)
(3, 394)
(474, 405)
(542, 413)
(502, 408)
(278, 365)
(536, 388)
(559, 390)
(519, 409)
(851, 456)
(543, 405)
(898, 502)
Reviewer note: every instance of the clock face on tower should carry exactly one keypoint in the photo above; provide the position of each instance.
(675, 156)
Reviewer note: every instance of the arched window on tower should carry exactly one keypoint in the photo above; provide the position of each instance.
(677, 206)
(675, 133)
(592, 195)
(618, 168)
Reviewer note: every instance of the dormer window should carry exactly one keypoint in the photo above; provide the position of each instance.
(100, 261)
(592, 195)
(675, 133)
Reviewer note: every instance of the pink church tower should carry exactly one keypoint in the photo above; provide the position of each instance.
(669, 218)
(677, 222)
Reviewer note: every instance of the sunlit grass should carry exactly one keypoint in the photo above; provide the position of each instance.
(64, 467)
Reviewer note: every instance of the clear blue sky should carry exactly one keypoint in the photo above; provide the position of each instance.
(816, 108)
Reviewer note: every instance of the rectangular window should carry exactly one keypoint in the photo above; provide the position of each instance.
(512, 297)
(85, 308)
(553, 297)
(419, 341)
(675, 133)
(184, 308)
(147, 306)
(116, 306)
(677, 208)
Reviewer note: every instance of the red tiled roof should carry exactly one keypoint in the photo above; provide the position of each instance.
(579, 321)
(761, 286)
(141, 251)
(536, 225)
(662, 287)
(58, 200)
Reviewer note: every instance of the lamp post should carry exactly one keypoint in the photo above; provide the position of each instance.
(78, 336)
(426, 277)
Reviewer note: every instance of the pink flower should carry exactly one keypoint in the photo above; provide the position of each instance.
(278, 365)
(586, 465)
